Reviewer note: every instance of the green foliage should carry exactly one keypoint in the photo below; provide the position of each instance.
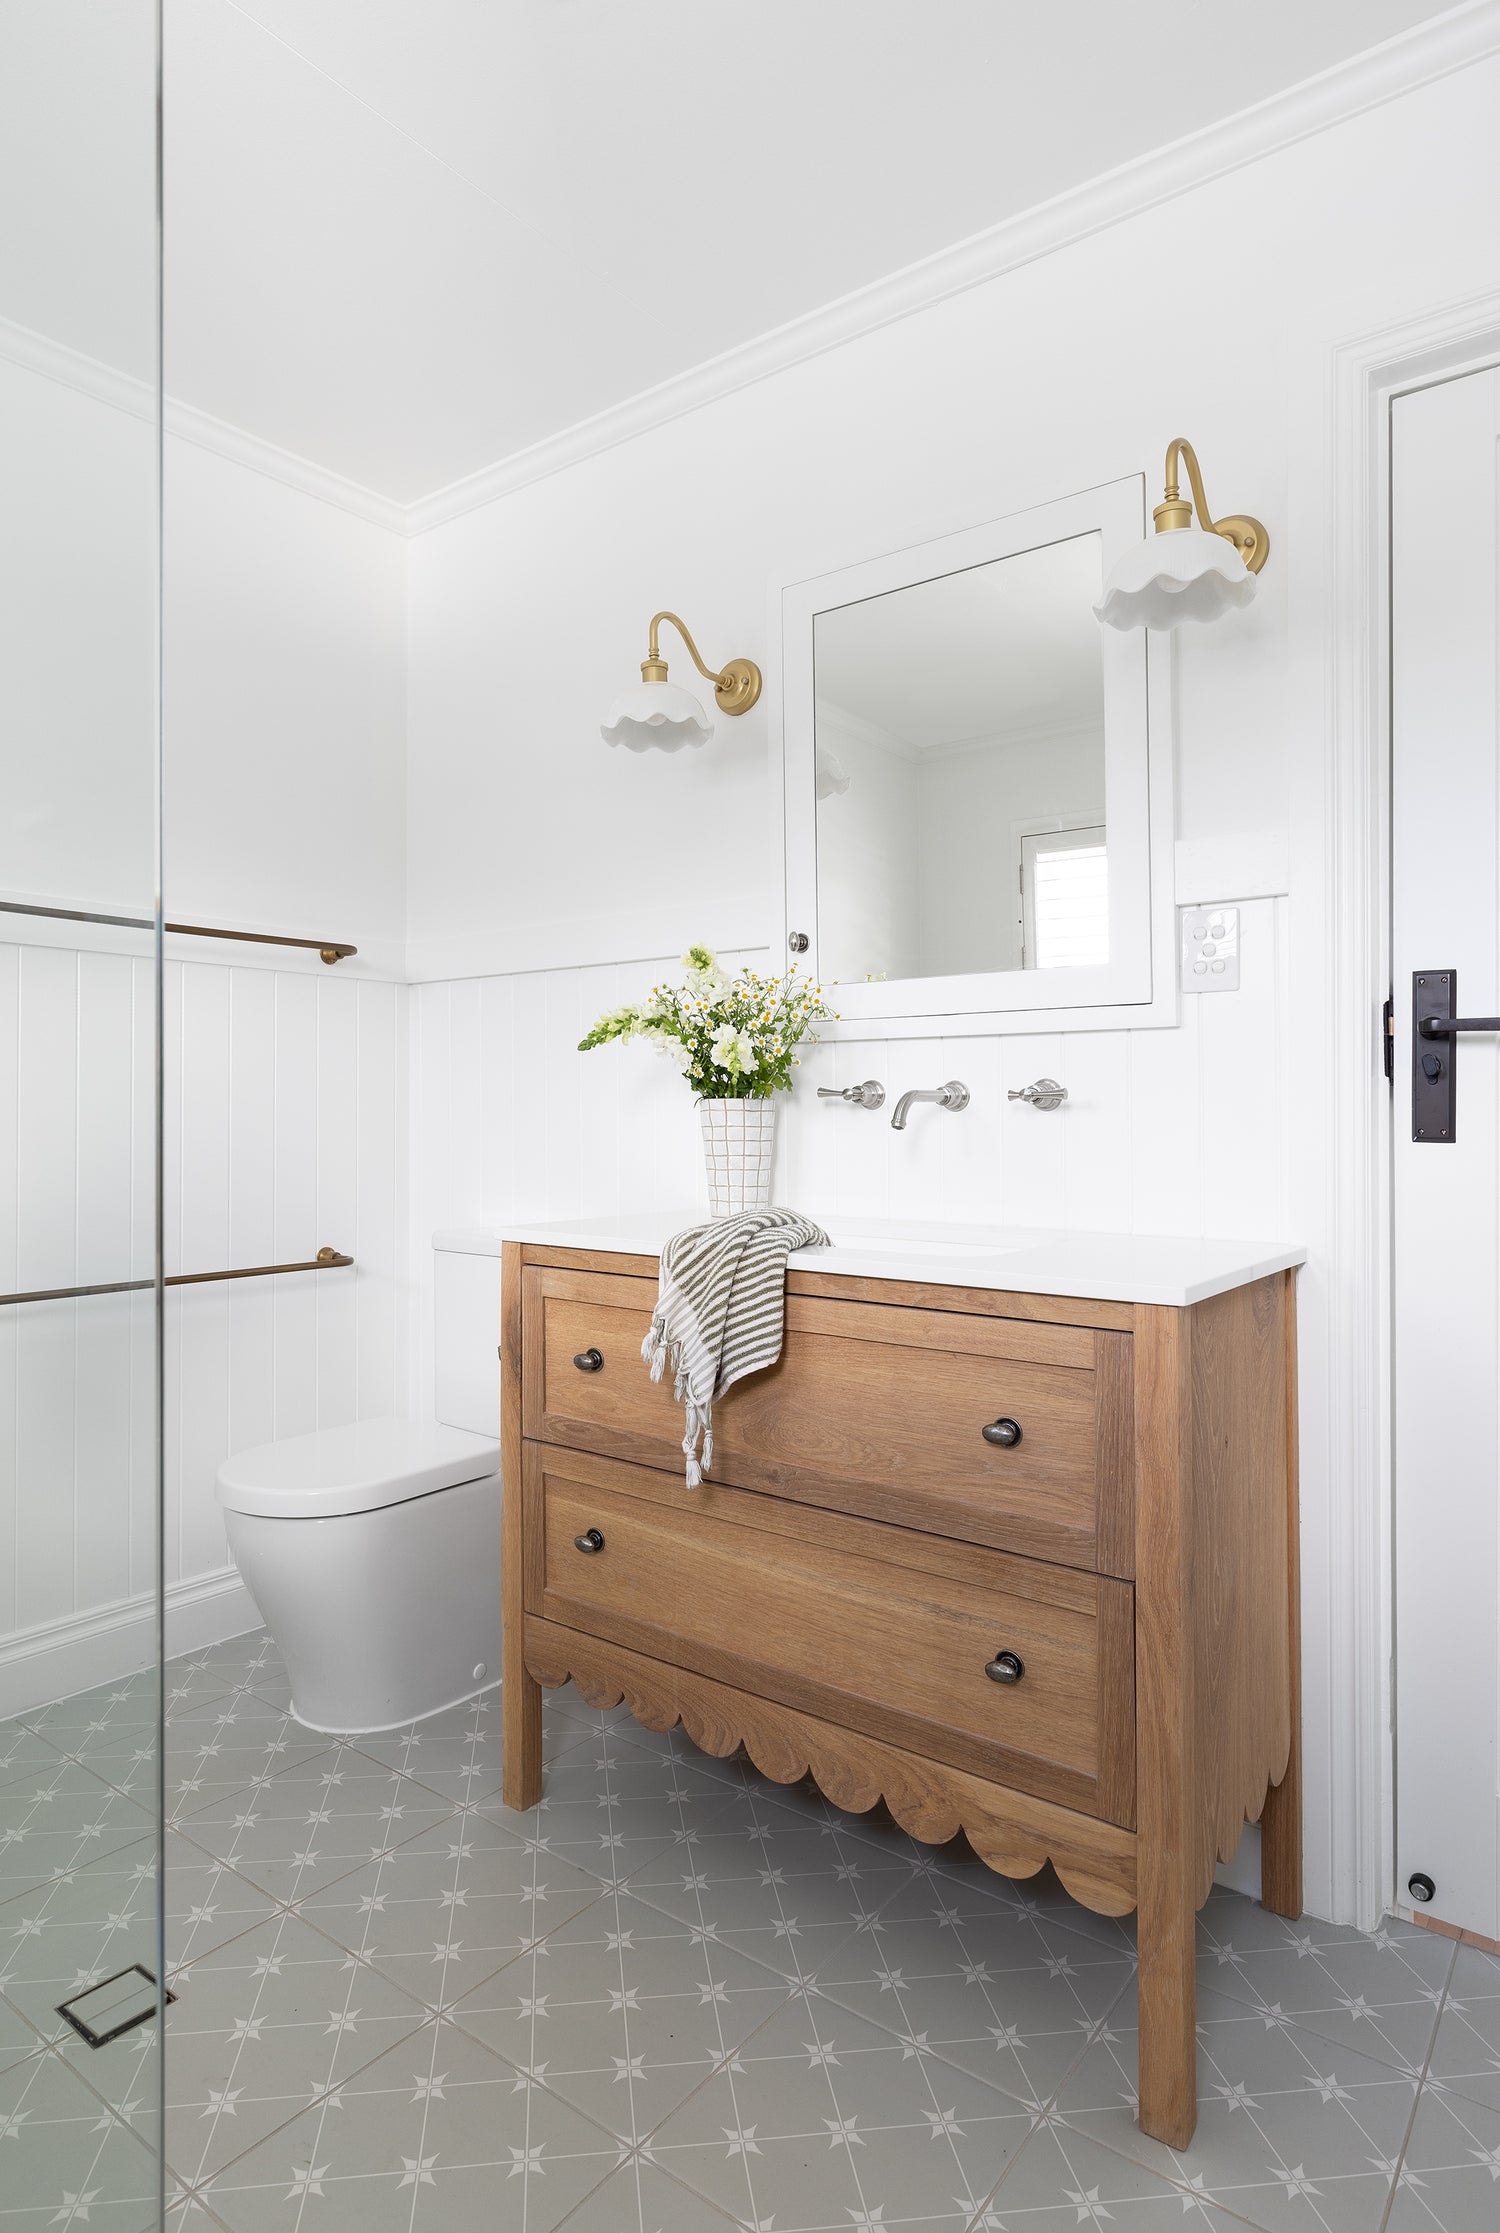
(733, 1039)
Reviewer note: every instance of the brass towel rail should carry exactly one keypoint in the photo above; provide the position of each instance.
(327, 1259)
(330, 949)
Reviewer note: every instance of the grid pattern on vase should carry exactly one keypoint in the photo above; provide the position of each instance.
(739, 1149)
(673, 1998)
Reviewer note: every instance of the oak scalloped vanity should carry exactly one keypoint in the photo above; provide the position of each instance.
(1007, 1539)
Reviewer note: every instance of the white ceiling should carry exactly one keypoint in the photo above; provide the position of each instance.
(408, 238)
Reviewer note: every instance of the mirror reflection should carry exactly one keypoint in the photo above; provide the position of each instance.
(960, 772)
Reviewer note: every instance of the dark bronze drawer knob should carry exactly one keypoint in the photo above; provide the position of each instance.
(1004, 1433)
(1005, 1667)
(588, 1360)
(591, 1540)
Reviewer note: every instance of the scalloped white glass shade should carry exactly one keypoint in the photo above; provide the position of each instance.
(1184, 573)
(656, 716)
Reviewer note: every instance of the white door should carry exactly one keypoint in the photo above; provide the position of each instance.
(1445, 525)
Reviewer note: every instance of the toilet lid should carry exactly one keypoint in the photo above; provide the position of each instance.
(353, 1469)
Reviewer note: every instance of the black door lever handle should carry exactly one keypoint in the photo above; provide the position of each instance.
(1443, 1027)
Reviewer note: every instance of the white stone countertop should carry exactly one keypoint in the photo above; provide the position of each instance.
(1104, 1267)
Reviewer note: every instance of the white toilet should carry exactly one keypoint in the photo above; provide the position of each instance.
(373, 1551)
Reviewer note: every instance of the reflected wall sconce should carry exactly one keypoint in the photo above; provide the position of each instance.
(655, 714)
(1183, 572)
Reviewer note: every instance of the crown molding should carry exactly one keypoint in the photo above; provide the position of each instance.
(1430, 51)
(1415, 58)
(122, 391)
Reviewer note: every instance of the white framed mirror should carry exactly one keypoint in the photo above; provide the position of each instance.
(974, 817)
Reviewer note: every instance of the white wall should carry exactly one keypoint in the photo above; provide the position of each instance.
(285, 1107)
(533, 849)
(284, 624)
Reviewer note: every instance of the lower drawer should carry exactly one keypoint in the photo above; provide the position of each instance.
(877, 1628)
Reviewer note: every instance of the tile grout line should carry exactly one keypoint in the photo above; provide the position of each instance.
(1420, 2089)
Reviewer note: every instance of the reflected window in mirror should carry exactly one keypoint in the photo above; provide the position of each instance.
(959, 764)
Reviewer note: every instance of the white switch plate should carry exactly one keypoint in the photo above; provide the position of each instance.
(1210, 949)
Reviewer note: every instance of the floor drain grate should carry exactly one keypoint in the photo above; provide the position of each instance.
(113, 2006)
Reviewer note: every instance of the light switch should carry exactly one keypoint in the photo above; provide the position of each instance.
(1210, 949)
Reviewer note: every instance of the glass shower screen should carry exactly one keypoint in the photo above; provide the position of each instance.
(80, 1351)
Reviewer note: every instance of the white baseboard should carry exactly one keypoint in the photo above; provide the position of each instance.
(63, 1657)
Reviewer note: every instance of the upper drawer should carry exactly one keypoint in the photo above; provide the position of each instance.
(874, 1627)
(872, 1408)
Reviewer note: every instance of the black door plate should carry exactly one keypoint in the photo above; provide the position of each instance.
(1434, 1103)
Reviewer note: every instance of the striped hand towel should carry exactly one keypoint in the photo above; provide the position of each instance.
(719, 1312)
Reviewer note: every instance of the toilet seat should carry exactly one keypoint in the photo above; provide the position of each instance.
(359, 1468)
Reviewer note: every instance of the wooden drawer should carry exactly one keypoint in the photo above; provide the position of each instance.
(872, 1408)
(872, 1627)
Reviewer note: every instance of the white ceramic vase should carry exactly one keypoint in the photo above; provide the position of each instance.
(739, 1148)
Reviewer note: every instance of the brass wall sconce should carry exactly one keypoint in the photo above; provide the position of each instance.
(1183, 572)
(655, 714)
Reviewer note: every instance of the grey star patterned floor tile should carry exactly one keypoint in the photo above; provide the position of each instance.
(457, 1753)
(262, 2026)
(1040, 1897)
(640, 2198)
(608, 1808)
(1466, 2052)
(823, 2120)
(73, 1933)
(444, 1911)
(1009, 1996)
(786, 1888)
(1450, 2177)
(242, 1659)
(624, 2011)
(207, 1902)
(58, 1818)
(235, 1739)
(437, 2136)
(18, 2039)
(23, 1753)
(315, 1821)
(1379, 1994)
(64, 2160)
(1294, 2130)
(1061, 2179)
(115, 1720)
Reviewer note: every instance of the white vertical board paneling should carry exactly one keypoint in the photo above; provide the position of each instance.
(377, 1228)
(198, 1393)
(104, 1204)
(252, 1206)
(10, 988)
(295, 1130)
(284, 1126)
(334, 1218)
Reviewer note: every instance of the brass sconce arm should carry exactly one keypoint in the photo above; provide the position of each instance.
(736, 684)
(1246, 534)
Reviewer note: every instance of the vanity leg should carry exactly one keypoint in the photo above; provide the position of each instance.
(1281, 1816)
(521, 1693)
(1168, 1834)
(1167, 1991)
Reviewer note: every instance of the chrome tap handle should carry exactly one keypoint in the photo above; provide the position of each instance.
(870, 1095)
(1044, 1093)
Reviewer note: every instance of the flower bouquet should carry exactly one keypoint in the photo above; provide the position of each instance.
(734, 1040)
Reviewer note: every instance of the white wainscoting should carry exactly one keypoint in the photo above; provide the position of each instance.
(285, 1129)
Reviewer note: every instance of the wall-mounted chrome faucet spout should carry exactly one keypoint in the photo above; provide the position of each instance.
(953, 1095)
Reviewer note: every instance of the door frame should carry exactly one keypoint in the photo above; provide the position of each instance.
(1369, 373)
